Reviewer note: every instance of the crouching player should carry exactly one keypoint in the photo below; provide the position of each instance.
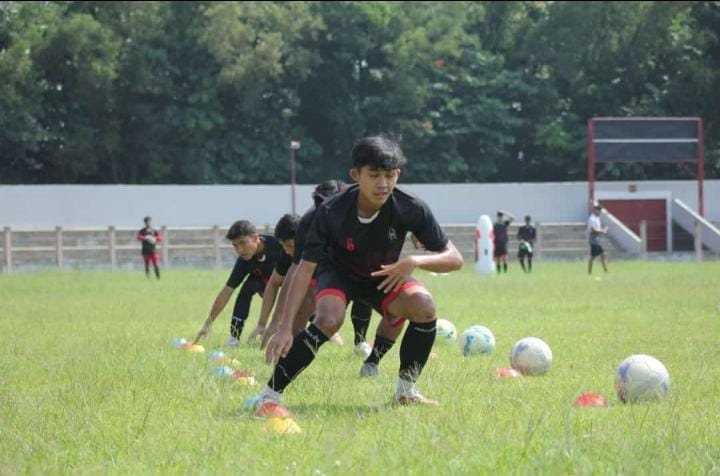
(354, 242)
(360, 312)
(257, 256)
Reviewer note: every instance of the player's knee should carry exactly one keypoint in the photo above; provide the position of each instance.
(329, 322)
(422, 308)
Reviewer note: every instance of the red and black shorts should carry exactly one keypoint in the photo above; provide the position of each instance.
(330, 282)
(151, 258)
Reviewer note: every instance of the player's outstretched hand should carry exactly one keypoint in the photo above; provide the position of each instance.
(257, 332)
(270, 330)
(395, 274)
(278, 346)
(202, 333)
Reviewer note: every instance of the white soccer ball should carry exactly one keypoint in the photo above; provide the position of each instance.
(531, 356)
(641, 378)
(446, 333)
(477, 340)
(150, 239)
(363, 350)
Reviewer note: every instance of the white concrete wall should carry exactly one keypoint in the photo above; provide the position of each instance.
(74, 206)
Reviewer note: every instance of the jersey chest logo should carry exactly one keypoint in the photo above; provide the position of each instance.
(349, 244)
(392, 235)
(257, 272)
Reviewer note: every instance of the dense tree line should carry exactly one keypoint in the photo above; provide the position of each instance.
(213, 92)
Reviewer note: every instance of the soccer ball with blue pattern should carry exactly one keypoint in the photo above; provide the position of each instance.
(531, 356)
(477, 340)
(641, 378)
(446, 333)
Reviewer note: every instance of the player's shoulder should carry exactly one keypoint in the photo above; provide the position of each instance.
(270, 240)
(340, 202)
(404, 199)
(307, 217)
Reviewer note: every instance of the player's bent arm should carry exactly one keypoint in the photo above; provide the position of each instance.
(269, 295)
(297, 289)
(279, 308)
(282, 297)
(447, 259)
(220, 301)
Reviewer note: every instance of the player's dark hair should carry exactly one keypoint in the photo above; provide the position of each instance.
(240, 228)
(378, 152)
(527, 218)
(324, 190)
(287, 227)
(146, 219)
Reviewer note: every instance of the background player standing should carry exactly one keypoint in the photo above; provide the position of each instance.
(500, 230)
(595, 231)
(149, 236)
(526, 235)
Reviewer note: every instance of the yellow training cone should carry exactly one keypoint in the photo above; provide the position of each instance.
(197, 348)
(249, 381)
(285, 426)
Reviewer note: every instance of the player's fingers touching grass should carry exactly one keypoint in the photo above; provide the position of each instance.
(267, 335)
(257, 332)
(278, 346)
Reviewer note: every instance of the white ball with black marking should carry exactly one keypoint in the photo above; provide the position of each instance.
(531, 356)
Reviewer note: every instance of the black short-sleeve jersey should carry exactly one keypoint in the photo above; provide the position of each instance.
(258, 266)
(500, 230)
(301, 234)
(526, 233)
(147, 247)
(283, 264)
(358, 249)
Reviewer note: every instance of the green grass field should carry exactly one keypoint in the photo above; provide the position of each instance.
(91, 384)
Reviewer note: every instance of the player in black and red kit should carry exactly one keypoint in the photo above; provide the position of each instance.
(354, 243)
(149, 236)
(526, 236)
(501, 239)
(360, 312)
(257, 258)
(285, 231)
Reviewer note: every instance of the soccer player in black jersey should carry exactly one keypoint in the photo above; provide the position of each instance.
(257, 257)
(526, 235)
(354, 243)
(149, 236)
(285, 231)
(500, 228)
(360, 311)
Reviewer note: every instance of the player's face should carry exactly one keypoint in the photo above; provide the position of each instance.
(288, 246)
(376, 185)
(246, 246)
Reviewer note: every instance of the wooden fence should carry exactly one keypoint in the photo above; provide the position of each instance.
(112, 247)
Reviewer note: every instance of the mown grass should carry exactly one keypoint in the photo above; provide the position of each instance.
(90, 383)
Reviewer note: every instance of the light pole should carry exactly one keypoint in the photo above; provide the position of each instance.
(294, 145)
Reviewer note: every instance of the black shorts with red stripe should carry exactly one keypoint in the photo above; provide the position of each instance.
(330, 282)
